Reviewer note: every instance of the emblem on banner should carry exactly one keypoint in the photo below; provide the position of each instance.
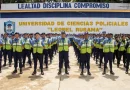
(9, 27)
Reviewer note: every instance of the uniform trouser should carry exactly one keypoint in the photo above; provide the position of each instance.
(108, 57)
(45, 56)
(50, 54)
(115, 55)
(97, 54)
(88, 60)
(17, 57)
(27, 53)
(122, 53)
(39, 57)
(32, 52)
(52, 50)
(83, 60)
(94, 52)
(78, 57)
(7, 53)
(55, 48)
(101, 56)
(63, 58)
(0, 59)
(127, 61)
(11, 54)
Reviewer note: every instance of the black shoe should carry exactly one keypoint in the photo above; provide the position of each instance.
(67, 72)
(81, 73)
(30, 66)
(112, 73)
(42, 73)
(4, 65)
(117, 65)
(14, 72)
(34, 73)
(0, 71)
(9, 65)
(103, 73)
(46, 67)
(23, 66)
(59, 73)
(21, 72)
(126, 72)
(89, 73)
(99, 66)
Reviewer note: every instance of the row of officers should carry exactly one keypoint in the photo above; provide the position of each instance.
(43, 46)
(102, 46)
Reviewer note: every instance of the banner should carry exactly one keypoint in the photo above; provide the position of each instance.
(70, 25)
(64, 5)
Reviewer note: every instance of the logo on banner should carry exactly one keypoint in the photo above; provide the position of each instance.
(9, 27)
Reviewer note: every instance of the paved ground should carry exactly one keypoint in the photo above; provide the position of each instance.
(51, 81)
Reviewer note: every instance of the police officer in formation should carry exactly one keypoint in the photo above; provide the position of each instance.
(18, 46)
(27, 50)
(127, 54)
(45, 50)
(104, 47)
(38, 46)
(63, 48)
(85, 46)
(108, 49)
(7, 42)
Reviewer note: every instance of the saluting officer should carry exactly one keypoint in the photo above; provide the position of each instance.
(63, 48)
(85, 51)
(45, 50)
(27, 50)
(108, 49)
(128, 55)
(18, 46)
(38, 46)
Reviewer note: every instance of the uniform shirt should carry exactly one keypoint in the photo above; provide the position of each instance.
(62, 39)
(36, 41)
(128, 43)
(16, 41)
(48, 42)
(1, 42)
(86, 41)
(25, 39)
(5, 40)
(108, 40)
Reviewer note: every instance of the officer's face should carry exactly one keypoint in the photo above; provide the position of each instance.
(123, 37)
(43, 36)
(63, 35)
(16, 35)
(5, 35)
(37, 36)
(86, 36)
(26, 36)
